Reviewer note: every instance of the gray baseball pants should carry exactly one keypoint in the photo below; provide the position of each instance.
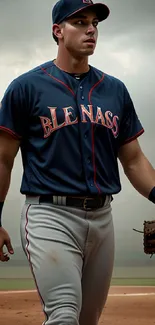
(71, 254)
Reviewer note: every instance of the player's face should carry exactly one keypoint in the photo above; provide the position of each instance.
(80, 33)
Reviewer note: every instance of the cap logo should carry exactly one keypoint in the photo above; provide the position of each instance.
(87, 1)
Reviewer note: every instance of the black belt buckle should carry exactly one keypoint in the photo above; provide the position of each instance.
(97, 203)
(85, 204)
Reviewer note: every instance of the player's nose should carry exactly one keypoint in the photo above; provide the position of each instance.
(91, 29)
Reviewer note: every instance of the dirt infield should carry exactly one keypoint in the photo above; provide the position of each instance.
(125, 305)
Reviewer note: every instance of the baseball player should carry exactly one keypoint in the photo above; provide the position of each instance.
(72, 122)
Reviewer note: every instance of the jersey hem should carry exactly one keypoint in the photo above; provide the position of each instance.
(71, 194)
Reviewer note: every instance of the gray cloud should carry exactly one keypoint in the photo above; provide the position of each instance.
(130, 15)
(24, 23)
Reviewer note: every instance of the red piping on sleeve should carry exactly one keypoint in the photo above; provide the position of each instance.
(134, 137)
(13, 134)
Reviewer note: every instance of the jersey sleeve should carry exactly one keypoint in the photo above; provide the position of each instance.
(14, 111)
(130, 126)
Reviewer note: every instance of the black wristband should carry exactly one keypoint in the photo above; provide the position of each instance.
(1, 207)
(152, 195)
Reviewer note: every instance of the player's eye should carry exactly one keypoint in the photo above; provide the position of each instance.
(84, 22)
(95, 23)
(80, 22)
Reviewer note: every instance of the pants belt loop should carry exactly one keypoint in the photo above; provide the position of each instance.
(107, 200)
(32, 200)
(61, 200)
(55, 200)
(64, 198)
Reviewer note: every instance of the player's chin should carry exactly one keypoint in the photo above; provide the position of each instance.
(88, 52)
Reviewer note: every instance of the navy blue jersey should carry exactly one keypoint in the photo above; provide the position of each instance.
(70, 130)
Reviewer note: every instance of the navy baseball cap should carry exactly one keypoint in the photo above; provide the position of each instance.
(64, 9)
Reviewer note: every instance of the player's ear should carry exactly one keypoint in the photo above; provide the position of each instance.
(57, 31)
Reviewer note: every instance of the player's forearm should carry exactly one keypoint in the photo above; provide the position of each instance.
(141, 174)
(5, 176)
(8, 151)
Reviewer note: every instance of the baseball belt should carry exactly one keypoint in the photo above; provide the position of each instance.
(86, 203)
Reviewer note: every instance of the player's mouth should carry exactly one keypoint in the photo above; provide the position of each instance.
(90, 41)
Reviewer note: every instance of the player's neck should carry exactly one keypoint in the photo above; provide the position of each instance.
(68, 63)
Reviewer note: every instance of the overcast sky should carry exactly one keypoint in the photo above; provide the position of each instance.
(126, 49)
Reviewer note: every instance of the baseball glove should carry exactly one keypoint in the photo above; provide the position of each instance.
(148, 237)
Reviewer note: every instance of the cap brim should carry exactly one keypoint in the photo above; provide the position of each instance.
(101, 10)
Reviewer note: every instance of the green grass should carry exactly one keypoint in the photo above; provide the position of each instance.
(133, 282)
(28, 284)
(17, 284)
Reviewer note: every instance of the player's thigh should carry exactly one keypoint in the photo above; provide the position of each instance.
(96, 279)
(55, 262)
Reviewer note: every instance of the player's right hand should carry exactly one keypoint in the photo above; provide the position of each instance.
(5, 241)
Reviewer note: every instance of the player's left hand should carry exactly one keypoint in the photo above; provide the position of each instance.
(5, 241)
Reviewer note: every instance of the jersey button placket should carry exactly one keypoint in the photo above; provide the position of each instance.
(86, 143)
(82, 96)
